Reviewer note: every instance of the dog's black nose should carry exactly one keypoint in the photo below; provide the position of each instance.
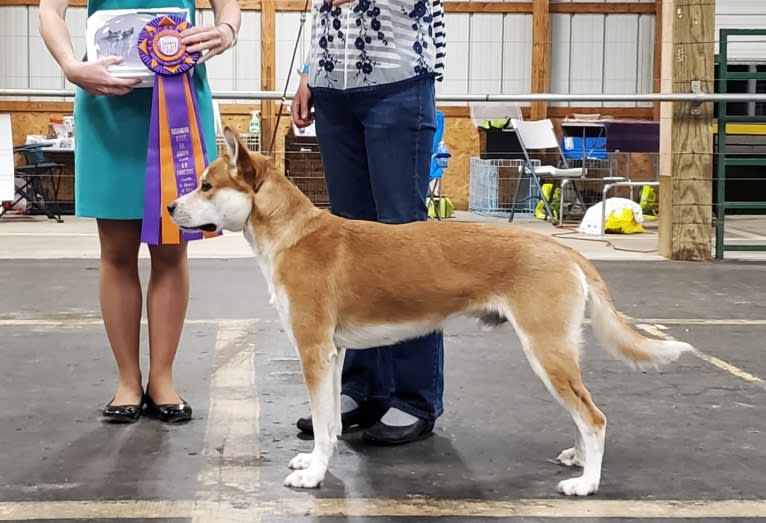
(172, 207)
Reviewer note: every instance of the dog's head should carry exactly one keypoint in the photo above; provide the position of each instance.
(224, 198)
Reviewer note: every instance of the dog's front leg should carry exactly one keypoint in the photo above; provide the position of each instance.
(320, 370)
(338, 383)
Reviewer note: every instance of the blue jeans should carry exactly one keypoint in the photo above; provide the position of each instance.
(376, 146)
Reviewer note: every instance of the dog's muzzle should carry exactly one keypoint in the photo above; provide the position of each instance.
(207, 227)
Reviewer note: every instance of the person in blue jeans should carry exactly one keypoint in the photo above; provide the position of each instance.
(370, 79)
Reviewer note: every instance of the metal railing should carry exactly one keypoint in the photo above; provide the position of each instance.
(537, 97)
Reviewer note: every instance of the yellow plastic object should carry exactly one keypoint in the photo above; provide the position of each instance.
(622, 223)
(446, 209)
(648, 202)
(496, 123)
(554, 203)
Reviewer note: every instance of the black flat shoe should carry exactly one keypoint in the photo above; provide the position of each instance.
(121, 413)
(359, 418)
(169, 412)
(382, 434)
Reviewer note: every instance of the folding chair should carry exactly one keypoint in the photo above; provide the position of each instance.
(32, 174)
(438, 162)
(539, 136)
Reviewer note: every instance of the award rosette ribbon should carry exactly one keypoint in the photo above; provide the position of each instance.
(176, 154)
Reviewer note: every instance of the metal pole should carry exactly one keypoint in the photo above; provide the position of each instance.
(539, 97)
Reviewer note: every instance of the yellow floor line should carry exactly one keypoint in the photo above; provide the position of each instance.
(230, 474)
(558, 508)
(717, 362)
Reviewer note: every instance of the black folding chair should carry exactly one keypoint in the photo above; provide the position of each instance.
(34, 174)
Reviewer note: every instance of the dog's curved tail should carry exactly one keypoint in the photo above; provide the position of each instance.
(614, 333)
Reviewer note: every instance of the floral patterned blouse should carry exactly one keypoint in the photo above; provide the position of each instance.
(365, 43)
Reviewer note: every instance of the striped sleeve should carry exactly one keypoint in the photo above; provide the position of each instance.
(440, 38)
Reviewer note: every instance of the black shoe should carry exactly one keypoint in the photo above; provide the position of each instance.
(170, 412)
(121, 413)
(382, 434)
(360, 417)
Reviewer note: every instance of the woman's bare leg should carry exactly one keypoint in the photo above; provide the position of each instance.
(121, 303)
(167, 300)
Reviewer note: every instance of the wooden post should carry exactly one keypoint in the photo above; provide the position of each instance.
(686, 136)
(657, 66)
(540, 53)
(268, 69)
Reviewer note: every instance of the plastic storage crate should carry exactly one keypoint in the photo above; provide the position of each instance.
(492, 185)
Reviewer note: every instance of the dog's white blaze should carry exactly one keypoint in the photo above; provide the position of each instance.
(365, 336)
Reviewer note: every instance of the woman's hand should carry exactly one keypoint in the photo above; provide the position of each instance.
(95, 78)
(214, 39)
(300, 108)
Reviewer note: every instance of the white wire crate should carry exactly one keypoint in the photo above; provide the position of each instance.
(492, 186)
(251, 141)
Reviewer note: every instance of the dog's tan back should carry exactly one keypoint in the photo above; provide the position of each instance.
(343, 284)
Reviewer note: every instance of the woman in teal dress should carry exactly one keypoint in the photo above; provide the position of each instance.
(111, 133)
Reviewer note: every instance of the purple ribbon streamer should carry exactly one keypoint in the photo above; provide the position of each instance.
(150, 227)
(181, 141)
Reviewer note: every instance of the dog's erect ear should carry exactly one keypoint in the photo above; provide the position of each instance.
(247, 167)
(233, 145)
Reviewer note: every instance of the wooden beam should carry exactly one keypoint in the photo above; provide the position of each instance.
(602, 8)
(631, 113)
(268, 69)
(488, 7)
(541, 20)
(657, 69)
(450, 7)
(686, 139)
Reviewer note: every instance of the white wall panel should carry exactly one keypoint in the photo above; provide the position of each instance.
(560, 36)
(645, 77)
(485, 53)
(742, 14)
(76, 19)
(14, 65)
(458, 31)
(517, 54)
(44, 71)
(220, 69)
(286, 28)
(248, 53)
(586, 67)
(620, 55)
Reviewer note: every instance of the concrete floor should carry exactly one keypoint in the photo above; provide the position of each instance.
(684, 443)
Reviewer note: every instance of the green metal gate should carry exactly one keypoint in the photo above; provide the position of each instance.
(725, 159)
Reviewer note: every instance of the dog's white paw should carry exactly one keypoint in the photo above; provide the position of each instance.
(309, 478)
(570, 458)
(578, 486)
(301, 461)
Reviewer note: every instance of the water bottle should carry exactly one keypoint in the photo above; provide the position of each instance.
(255, 123)
(442, 158)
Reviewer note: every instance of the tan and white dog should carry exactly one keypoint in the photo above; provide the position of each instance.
(342, 284)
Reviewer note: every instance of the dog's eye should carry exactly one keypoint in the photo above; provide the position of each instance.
(205, 187)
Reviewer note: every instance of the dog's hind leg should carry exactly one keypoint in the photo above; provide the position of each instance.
(320, 364)
(552, 350)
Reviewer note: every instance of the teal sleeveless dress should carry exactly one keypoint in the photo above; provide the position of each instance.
(111, 136)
